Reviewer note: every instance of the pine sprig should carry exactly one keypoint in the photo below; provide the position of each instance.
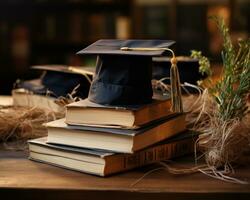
(231, 92)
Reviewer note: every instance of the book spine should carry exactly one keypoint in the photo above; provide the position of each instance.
(152, 155)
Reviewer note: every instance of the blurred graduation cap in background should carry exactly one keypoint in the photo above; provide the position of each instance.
(60, 80)
(188, 69)
(124, 70)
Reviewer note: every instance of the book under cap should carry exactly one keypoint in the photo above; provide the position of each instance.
(124, 70)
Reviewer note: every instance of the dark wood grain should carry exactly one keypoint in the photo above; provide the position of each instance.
(22, 178)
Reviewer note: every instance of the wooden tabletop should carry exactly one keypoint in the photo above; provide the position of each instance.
(21, 178)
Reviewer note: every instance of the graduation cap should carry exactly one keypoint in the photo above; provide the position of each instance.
(188, 69)
(60, 80)
(124, 70)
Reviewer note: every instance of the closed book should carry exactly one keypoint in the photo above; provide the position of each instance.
(87, 113)
(104, 163)
(118, 140)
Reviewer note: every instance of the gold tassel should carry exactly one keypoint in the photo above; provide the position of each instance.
(174, 77)
(175, 87)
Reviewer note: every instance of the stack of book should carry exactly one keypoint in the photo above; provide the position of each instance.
(104, 140)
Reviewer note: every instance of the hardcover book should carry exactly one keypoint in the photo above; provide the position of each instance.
(118, 140)
(104, 163)
(87, 113)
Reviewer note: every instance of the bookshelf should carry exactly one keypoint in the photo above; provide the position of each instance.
(68, 26)
(51, 32)
(176, 20)
(186, 21)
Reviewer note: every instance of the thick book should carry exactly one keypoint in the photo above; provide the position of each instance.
(104, 163)
(87, 113)
(118, 140)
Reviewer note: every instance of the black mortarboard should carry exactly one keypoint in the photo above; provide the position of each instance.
(188, 69)
(60, 80)
(124, 70)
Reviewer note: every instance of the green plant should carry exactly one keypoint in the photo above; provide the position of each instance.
(221, 111)
(231, 91)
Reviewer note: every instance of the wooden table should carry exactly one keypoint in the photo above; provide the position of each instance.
(21, 178)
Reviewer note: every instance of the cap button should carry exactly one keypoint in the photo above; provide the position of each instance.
(174, 60)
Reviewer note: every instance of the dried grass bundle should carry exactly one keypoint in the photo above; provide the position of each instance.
(22, 123)
(222, 115)
(223, 143)
(18, 124)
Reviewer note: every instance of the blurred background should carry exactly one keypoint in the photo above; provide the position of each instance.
(52, 31)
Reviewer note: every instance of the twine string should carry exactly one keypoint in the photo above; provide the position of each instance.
(202, 168)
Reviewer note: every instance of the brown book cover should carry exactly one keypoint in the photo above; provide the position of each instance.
(118, 140)
(103, 162)
(88, 113)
